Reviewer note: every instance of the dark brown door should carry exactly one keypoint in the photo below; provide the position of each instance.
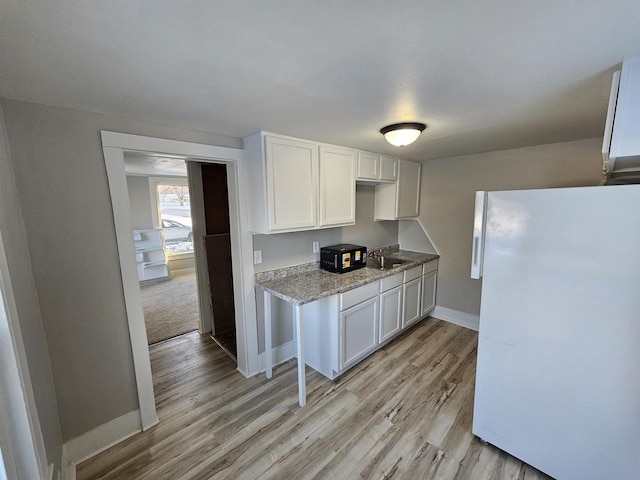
(218, 251)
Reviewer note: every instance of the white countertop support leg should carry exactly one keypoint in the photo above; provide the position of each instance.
(268, 351)
(302, 385)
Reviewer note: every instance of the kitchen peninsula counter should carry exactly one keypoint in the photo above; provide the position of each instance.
(305, 284)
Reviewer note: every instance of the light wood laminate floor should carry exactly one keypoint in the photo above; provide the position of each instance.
(403, 413)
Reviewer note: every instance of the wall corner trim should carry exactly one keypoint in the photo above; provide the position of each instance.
(456, 317)
(426, 232)
(97, 440)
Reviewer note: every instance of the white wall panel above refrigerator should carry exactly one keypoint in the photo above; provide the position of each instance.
(559, 341)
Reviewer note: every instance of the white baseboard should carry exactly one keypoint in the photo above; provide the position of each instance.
(281, 354)
(457, 317)
(97, 440)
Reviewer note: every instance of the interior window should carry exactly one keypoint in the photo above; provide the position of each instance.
(175, 213)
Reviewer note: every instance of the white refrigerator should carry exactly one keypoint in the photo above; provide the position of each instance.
(558, 374)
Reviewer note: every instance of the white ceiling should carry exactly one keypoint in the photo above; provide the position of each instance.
(483, 75)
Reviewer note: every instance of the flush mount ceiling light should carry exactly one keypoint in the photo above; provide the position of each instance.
(402, 134)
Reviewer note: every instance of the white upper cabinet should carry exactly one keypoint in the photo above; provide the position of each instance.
(622, 129)
(408, 189)
(297, 185)
(400, 199)
(292, 183)
(368, 166)
(282, 173)
(374, 168)
(388, 168)
(337, 186)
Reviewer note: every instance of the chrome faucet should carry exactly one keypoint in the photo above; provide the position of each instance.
(379, 257)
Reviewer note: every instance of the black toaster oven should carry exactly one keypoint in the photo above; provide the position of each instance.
(343, 258)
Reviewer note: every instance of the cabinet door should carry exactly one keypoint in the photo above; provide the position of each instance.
(408, 194)
(411, 304)
(388, 168)
(428, 292)
(358, 332)
(368, 166)
(292, 183)
(337, 186)
(390, 313)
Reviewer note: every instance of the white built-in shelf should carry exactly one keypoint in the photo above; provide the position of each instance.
(150, 255)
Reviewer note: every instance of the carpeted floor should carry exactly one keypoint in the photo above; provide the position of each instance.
(170, 307)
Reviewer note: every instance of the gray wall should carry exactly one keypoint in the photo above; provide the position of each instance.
(139, 202)
(448, 196)
(62, 188)
(286, 249)
(33, 334)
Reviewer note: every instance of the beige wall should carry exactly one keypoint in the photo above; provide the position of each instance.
(448, 196)
(63, 193)
(26, 298)
(139, 202)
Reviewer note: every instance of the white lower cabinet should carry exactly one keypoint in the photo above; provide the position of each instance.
(341, 330)
(358, 332)
(390, 313)
(412, 291)
(391, 306)
(429, 276)
(428, 292)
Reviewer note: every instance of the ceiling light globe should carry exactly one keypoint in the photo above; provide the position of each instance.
(402, 134)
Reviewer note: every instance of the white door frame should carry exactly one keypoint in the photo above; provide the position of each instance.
(21, 438)
(114, 146)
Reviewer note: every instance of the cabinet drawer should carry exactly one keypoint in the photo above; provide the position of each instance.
(429, 267)
(391, 282)
(412, 273)
(358, 295)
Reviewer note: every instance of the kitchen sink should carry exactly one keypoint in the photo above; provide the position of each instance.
(385, 263)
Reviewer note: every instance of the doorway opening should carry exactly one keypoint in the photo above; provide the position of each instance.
(173, 270)
(115, 146)
(160, 213)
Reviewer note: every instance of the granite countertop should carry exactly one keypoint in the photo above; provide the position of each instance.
(314, 284)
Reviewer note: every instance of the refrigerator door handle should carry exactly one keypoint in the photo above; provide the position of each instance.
(478, 234)
(608, 127)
